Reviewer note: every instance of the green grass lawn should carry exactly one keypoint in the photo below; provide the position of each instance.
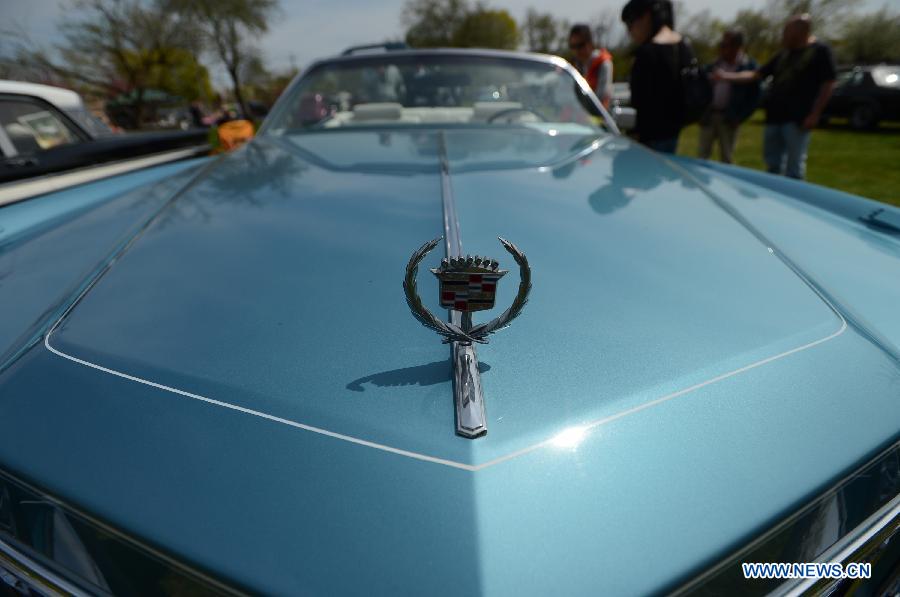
(864, 163)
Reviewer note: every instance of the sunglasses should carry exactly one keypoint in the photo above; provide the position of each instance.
(577, 46)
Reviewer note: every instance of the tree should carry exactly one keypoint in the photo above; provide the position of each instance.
(227, 26)
(827, 15)
(704, 31)
(484, 28)
(869, 39)
(262, 84)
(111, 46)
(609, 31)
(607, 28)
(178, 72)
(543, 33)
(433, 23)
(455, 23)
(762, 37)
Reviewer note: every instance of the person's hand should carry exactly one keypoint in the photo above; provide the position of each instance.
(810, 121)
(716, 75)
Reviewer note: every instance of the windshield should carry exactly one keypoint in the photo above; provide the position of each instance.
(424, 90)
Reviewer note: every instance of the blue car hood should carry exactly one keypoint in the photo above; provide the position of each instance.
(263, 403)
(273, 284)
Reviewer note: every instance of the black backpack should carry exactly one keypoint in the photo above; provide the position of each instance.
(696, 90)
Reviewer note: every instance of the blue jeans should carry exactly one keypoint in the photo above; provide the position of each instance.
(664, 145)
(784, 149)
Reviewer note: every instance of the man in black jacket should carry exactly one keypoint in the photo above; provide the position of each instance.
(731, 104)
(803, 75)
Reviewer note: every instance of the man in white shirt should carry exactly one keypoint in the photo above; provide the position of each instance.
(731, 104)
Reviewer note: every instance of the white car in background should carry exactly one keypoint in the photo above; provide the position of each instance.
(48, 136)
(65, 100)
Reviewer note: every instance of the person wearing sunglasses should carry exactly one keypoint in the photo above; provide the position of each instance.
(595, 64)
(656, 88)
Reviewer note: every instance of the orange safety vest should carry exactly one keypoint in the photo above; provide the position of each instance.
(593, 71)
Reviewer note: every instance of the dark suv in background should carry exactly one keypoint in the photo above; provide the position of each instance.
(866, 95)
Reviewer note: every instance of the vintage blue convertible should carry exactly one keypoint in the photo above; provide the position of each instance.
(310, 367)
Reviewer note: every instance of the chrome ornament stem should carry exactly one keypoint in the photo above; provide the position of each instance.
(468, 398)
(471, 420)
(467, 284)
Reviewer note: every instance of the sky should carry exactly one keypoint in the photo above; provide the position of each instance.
(306, 30)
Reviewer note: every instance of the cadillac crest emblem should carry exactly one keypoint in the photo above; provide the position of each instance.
(466, 284)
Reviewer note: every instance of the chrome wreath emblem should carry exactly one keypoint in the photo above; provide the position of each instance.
(466, 284)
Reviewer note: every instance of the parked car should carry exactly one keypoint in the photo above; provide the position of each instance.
(866, 95)
(622, 93)
(46, 130)
(174, 118)
(65, 100)
(276, 371)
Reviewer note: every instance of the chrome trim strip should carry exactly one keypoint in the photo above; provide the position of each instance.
(6, 146)
(468, 397)
(862, 541)
(14, 191)
(73, 511)
(867, 500)
(34, 574)
(290, 145)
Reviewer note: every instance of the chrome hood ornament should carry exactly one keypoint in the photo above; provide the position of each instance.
(466, 284)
